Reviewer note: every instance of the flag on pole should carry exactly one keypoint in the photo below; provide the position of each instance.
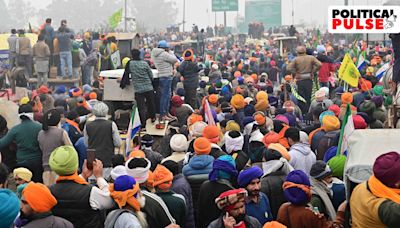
(207, 113)
(115, 19)
(361, 61)
(348, 71)
(346, 130)
(133, 128)
(381, 71)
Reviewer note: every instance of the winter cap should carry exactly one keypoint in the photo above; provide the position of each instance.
(320, 170)
(178, 143)
(196, 130)
(227, 200)
(117, 171)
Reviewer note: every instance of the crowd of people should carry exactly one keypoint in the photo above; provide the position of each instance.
(251, 141)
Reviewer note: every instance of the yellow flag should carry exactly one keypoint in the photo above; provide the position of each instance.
(115, 19)
(348, 71)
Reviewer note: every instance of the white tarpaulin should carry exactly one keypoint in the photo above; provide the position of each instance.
(363, 148)
(118, 73)
(366, 145)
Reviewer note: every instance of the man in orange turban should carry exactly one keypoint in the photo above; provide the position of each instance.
(175, 202)
(36, 204)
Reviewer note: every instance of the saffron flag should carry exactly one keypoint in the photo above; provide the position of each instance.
(133, 128)
(115, 19)
(346, 130)
(348, 71)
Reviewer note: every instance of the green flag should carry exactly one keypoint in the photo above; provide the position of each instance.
(343, 129)
(115, 19)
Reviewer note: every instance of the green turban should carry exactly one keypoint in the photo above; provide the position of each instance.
(337, 165)
(64, 160)
(378, 90)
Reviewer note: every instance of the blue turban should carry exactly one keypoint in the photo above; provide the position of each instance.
(202, 84)
(61, 89)
(296, 195)
(246, 120)
(291, 118)
(180, 92)
(240, 80)
(224, 167)
(330, 153)
(123, 183)
(247, 175)
(9, 207)
(249, 110)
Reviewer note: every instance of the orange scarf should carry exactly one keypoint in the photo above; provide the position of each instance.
(380, 190)
(74, 124)
(282, 140)
(305, 188)
(74, 177)
(125, 197)
(310, 137)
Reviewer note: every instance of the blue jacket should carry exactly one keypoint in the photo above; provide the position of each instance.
(81, 149)
(199, 164)
(261, 211)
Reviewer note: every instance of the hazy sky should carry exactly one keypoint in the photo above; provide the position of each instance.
(199, 11)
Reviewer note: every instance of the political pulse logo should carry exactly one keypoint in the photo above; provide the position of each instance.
(364, 19)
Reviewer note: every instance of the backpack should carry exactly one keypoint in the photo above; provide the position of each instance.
(328, 140)
(113, 216)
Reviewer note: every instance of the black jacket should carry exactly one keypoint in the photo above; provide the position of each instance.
(207, 209)
(190, 72)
